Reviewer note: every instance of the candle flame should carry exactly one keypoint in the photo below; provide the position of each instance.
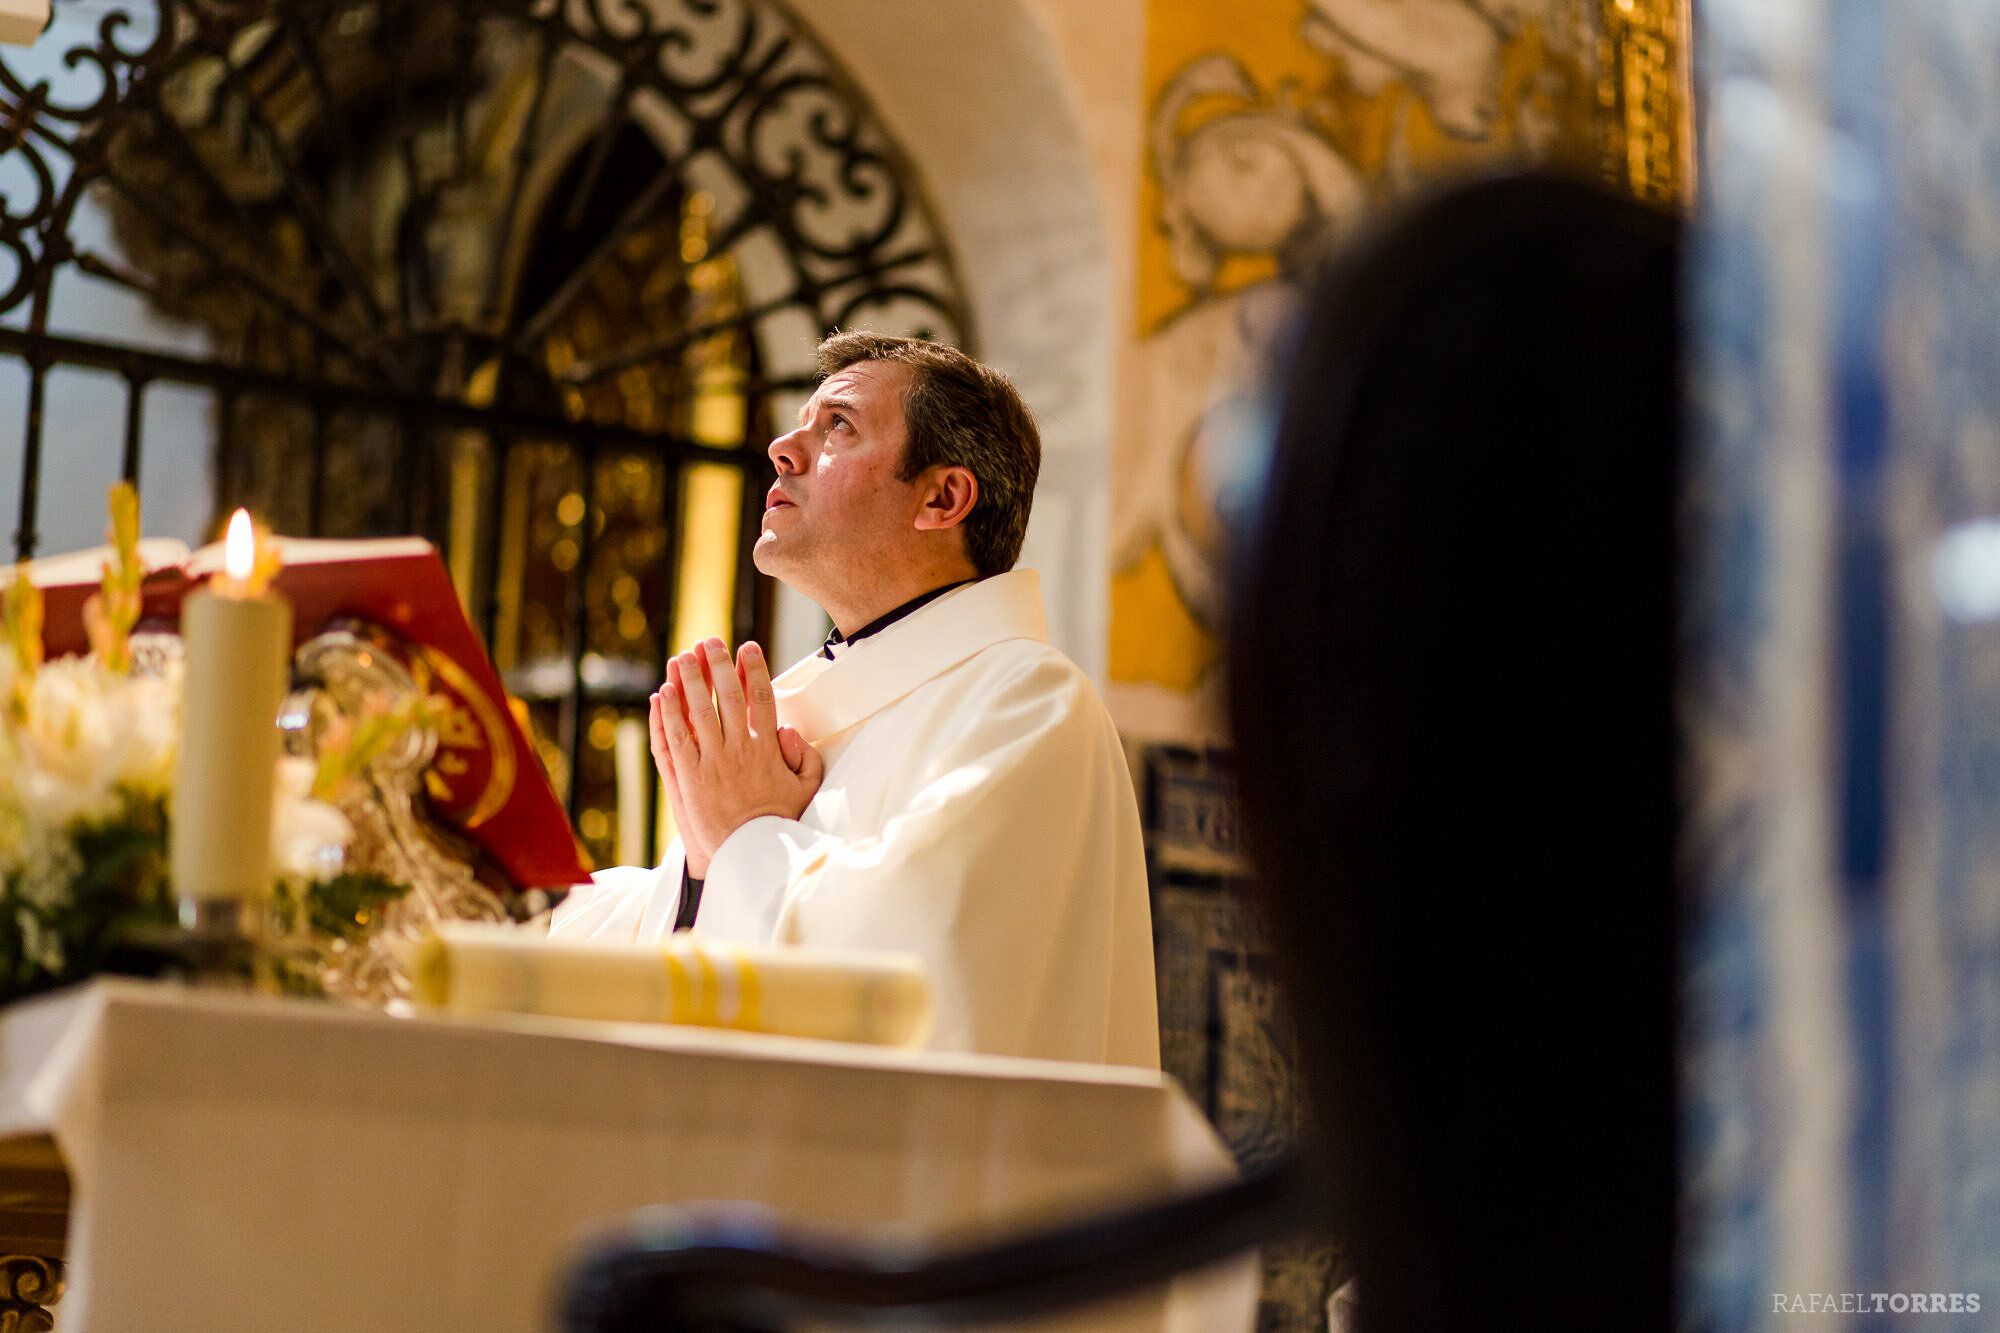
(239, 549)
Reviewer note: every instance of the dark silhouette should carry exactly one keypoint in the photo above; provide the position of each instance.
(1452, 661)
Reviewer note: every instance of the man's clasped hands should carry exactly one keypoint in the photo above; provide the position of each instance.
(722, 755)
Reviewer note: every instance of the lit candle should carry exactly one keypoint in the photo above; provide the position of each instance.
(635, 766)
(238, 641)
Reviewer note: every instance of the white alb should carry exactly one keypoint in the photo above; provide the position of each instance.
(976, 812)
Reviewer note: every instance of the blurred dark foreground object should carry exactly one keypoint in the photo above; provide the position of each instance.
(1451, 679)
(736, 1270)
(1452, 672)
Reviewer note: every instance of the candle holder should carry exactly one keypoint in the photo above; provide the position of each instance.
(216, 941)
(218, 918)
(213, 943)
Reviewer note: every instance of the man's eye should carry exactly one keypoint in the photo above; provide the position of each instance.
(840, 420)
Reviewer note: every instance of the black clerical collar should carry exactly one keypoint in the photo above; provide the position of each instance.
(838, 640)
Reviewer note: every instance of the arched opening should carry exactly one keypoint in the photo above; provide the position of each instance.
(529, 280)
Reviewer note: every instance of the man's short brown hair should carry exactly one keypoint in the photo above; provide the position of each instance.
(959, 413)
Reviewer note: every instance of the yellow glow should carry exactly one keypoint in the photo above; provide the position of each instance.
(1388, 136)
(467, 471)
(1153, 638)
(711, 521)
(634, 769)
(513, 559)
(483, 384)
(239, 548)
(1268, 41)
(718, 415)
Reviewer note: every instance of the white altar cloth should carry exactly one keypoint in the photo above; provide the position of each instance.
(242, 1162)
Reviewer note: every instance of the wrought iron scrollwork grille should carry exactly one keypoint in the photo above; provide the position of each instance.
(420, 237)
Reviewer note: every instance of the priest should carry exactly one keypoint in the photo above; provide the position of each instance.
(937, 779)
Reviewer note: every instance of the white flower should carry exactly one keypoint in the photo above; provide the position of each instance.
(72, 744)
(295, 776)
(148, 709)
(308, 837)
(88, 733)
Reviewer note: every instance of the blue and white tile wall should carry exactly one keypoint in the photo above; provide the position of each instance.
(1943, 360)
(1842, 692)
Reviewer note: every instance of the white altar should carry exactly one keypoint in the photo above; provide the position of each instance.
(242, 1162)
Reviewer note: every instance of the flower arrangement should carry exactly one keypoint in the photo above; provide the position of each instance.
(87, 751)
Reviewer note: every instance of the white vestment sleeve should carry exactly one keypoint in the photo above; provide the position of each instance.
(1000, 868)
(750, 875)
(623, 903)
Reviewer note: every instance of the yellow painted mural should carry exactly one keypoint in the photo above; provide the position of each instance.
(1275, 128)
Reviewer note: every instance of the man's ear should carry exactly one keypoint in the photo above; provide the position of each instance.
(948, 496)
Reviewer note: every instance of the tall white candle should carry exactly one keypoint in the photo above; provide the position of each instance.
(238, 641)
(635, 766)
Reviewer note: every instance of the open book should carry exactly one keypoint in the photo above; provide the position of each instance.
(485, 781)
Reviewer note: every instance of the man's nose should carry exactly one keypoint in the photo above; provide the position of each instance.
(788, 453)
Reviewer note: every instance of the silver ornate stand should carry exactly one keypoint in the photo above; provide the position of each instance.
(339, 671)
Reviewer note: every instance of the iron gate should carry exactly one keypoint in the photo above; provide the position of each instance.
(529, 278)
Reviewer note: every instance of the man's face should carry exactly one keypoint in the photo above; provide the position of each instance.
(838, 510)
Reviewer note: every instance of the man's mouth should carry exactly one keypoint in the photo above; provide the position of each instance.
(776, 498)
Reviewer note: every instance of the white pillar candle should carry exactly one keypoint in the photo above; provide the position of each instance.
(238, 643)
(635, 766)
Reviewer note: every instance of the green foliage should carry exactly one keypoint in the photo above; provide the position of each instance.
(320, 918)
(347, 749)
(120, 884)
(345, 905)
